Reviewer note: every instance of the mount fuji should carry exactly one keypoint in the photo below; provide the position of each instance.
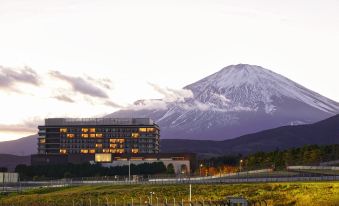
(237, 100)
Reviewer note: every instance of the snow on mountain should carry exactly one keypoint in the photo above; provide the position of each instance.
(237, 100)
(249, 85)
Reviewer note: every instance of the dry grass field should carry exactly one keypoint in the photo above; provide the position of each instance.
(310, 193)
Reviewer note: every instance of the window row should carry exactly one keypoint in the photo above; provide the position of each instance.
(100, 135)
(93, 130)
(93, 151)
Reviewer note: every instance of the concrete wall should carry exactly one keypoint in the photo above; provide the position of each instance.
(335, 162)
(9, 177)
(176, 163)
(312, 168)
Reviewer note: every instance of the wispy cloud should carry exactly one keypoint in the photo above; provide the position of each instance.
(26, 126)
(81, 85)
(10, 76)
(149, 104)
(171, 95)
(64, 98)
(112, 104)
(183, 99)
(104, 82)
(16, 128)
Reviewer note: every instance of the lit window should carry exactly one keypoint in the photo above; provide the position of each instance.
(63, 130)
(42, 141)
(113, 145)
(92, 135)
(92, 151)
(84, 129)
(134, 151)
(63, 151)
(99, 135)
(84, 151)
(135, 135)
(70, 135)
(105, 150)
(150, 129)
(98, 145)
(119, 151)
(92, 130)
(84, 135)
(142, 129)
(103, 158)
(117, 141)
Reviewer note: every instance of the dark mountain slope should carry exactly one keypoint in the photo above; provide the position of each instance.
(23, 146)
(323, 132)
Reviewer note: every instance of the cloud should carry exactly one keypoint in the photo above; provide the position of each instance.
(16, 128)
(26, 126)
(104, 82)
(112, 104)
(201, 106)
(81, 85)
(172, 95)
(64, 98)
(149, 104)
(10, 76)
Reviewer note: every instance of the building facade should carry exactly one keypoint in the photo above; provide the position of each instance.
(108, 141)
(117, 136)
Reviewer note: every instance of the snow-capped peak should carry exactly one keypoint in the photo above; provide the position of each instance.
(250, 85)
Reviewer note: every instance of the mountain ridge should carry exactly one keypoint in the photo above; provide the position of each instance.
(322, 133)
(237, 100)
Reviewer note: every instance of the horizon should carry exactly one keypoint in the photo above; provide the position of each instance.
(84, 58)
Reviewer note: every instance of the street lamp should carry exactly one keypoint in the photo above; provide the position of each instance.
(240, 167)
(151, 193)
(129, 170)
(201, 165)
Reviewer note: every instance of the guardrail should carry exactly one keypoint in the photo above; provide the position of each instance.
(313, 168)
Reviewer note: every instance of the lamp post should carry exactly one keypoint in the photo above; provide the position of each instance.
(190, 197)
(151, 193)
(240, 166)
(129, 170)
(201, 165)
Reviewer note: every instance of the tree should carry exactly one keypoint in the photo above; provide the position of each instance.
(170, 169)
(3, 169)
(315, 155)
(67, 175)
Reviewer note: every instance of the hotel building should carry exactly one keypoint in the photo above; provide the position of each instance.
(109, 141)
(98, 135)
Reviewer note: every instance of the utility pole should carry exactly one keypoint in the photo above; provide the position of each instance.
(129, 170)
(190, 197)
(3, 181)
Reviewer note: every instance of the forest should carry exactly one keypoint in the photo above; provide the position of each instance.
(306, 155)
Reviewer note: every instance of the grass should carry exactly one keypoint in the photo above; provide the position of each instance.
(310, 193)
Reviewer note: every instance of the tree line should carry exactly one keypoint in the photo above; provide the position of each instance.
(88, 170)
(278, 159)
(306, 155)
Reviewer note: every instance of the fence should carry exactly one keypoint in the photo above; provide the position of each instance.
(148, 201)
(8, 177)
